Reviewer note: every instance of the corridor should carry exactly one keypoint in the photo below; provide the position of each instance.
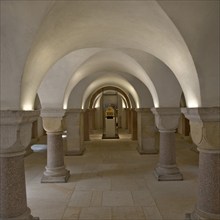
(113, 181)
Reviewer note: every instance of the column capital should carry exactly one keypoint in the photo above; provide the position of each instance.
(166, 119)
(15, 128)
(52, 120)
(204, 126)
(207, 114)
(15, 117)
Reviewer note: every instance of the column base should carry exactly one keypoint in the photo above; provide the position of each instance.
(168, 174)
(55, 175)
(25, 216)
(200, 215)
(75, 153)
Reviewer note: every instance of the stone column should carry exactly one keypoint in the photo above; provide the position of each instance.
(86, 125)
(55, 170)
(74, 124)
(92, 119)
(205, 130)
(166, 120)
(133, 124)
(147, 133)
(15, 137)
(129, 120)
(123, 119)
(98, 116)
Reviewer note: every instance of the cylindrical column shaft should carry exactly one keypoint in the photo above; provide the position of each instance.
(167, 149)
(205, 129)
(208, 201)
(13, 192)
(167, 168)
(55, 169)
(54, 150)
(13, 202)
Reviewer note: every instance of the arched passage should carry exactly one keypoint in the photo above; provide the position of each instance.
(149, 36)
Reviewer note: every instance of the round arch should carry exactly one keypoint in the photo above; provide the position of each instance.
(154, 33)
(91, 100)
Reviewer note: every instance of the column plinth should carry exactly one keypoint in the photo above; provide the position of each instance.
(205, 129)
(167, 122)
(15, 137)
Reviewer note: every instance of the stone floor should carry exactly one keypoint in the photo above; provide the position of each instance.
(113, 181)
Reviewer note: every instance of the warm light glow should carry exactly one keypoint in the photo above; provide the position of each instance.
(97, 104)
(27, 107)
(65, 105)
(192, 103)
(64, 135)
(123, 104)
(111, 80)
(156, 104)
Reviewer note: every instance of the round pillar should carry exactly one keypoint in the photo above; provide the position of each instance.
(167, 168)
(53, 123)
(15, 136)
(167, 120)
(13, 202)
(205, 129)
(55, 169)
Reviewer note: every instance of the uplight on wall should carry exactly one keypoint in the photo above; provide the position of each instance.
(192, 103)
(123, 104)
(64, 106)
(27, 107)
(97, 104)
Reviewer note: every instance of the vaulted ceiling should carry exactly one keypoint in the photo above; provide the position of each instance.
(61, 48)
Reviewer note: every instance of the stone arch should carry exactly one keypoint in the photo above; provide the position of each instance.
(96, 93)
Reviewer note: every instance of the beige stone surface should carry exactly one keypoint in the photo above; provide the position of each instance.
(113, 181)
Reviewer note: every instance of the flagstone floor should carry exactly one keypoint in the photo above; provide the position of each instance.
(112, 181)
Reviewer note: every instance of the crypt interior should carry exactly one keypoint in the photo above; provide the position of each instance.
(110, 110)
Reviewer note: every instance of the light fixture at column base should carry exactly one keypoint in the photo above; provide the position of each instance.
(56, 179)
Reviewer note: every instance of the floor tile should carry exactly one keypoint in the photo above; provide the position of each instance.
(132, 213)
(117, 198)
(99, 184)
(152, 213)
(96, 198)
(142, 198)
(81, 199)
(102, 213)
(111, 180)
(71, 213)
